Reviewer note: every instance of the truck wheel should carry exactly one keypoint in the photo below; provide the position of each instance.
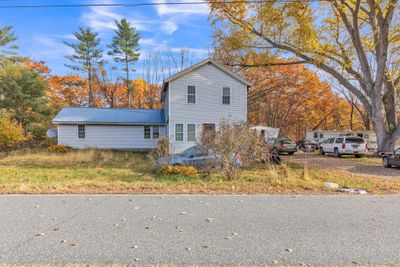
(358, 156)
(337, 155)
(321, 151)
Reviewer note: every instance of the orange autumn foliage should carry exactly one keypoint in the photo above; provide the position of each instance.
(145, 95)
(69, 90)
(295, 100)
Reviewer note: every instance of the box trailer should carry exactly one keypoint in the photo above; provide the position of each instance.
(266, 132)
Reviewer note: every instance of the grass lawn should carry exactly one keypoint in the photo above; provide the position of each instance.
(92, 171)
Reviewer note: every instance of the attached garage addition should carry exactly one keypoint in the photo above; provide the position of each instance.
(133, 129)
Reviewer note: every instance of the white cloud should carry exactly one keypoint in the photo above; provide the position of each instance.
(147, 41)
(50, 48)
(169, 27)
(182, 9)
(100, 18)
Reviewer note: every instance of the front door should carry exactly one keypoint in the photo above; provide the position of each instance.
(208, 130)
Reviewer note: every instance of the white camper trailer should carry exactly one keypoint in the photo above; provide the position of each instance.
(321, 136)
(266, 132)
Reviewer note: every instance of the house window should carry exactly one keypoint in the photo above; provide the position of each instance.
(147, 132)
(226, 95)
(191, 132)
(191, 94)
(156, 132)
(81, 131)
(178, 132)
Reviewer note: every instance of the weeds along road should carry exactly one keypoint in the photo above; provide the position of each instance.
(181, 230)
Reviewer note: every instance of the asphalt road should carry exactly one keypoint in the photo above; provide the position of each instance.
(205, 230)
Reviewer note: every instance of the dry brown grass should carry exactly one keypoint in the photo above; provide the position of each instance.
(94, 171)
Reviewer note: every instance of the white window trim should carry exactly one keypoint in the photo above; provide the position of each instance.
(187, 132)
(230, 95)
(195, 95)
(183, 132)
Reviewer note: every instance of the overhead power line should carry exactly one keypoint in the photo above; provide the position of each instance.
(155, 4)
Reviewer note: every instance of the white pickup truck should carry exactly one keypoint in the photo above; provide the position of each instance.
(344, 146)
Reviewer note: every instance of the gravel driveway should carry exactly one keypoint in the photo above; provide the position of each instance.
(200, 230)
(365, 166)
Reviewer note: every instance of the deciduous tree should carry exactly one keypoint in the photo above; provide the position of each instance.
(68, 90)
(293, 99)
(10, 131)
(354, 42)
(22, 94)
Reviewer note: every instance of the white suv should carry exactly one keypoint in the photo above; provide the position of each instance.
(344, 146)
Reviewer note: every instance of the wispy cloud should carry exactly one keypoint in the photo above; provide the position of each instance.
(50, 48)
(181, 9)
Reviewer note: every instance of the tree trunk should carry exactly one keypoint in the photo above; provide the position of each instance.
(351, 116)
(90, 87)
(127, 81)
(389, 100)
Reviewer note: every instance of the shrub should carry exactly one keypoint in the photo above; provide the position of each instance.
(11, 132)
(160, 151)
(58, 149)
(183, 170)
(233, 142)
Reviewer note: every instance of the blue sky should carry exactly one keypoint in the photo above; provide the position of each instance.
(163, 28)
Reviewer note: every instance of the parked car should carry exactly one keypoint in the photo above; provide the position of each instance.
(344, 146)
(308, 145)
(391, 159)
(197, 156)
(282, 145)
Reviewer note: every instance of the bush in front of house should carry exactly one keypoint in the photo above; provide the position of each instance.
(236, 147)
(182, 170)
(160, 153)
(58, 149)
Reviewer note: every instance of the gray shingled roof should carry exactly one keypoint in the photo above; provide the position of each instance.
(74, 115)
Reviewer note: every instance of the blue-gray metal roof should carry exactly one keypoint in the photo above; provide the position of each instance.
(74, 115)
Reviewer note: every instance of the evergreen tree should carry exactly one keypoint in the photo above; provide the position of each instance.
(7, 36)
(22, 94)
(124, 49)
(87, 55)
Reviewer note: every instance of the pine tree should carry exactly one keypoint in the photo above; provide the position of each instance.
(7, 36)
(22, 94)
(87, 55)
(124, 49)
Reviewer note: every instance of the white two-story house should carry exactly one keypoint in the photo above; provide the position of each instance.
(195, 100)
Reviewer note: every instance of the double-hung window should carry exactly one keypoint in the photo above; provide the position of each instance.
(147, 132)
(178, 132)
(191, 132)
(226, 95)
(156, 132)
(191, 94)
(81, 132)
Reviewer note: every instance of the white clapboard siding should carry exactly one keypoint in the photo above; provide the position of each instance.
(209, 81)
(107, 137)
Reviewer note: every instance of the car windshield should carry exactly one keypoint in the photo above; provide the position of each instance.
(286, 141)
(190, 151)
(194, 151)
(354, 140)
